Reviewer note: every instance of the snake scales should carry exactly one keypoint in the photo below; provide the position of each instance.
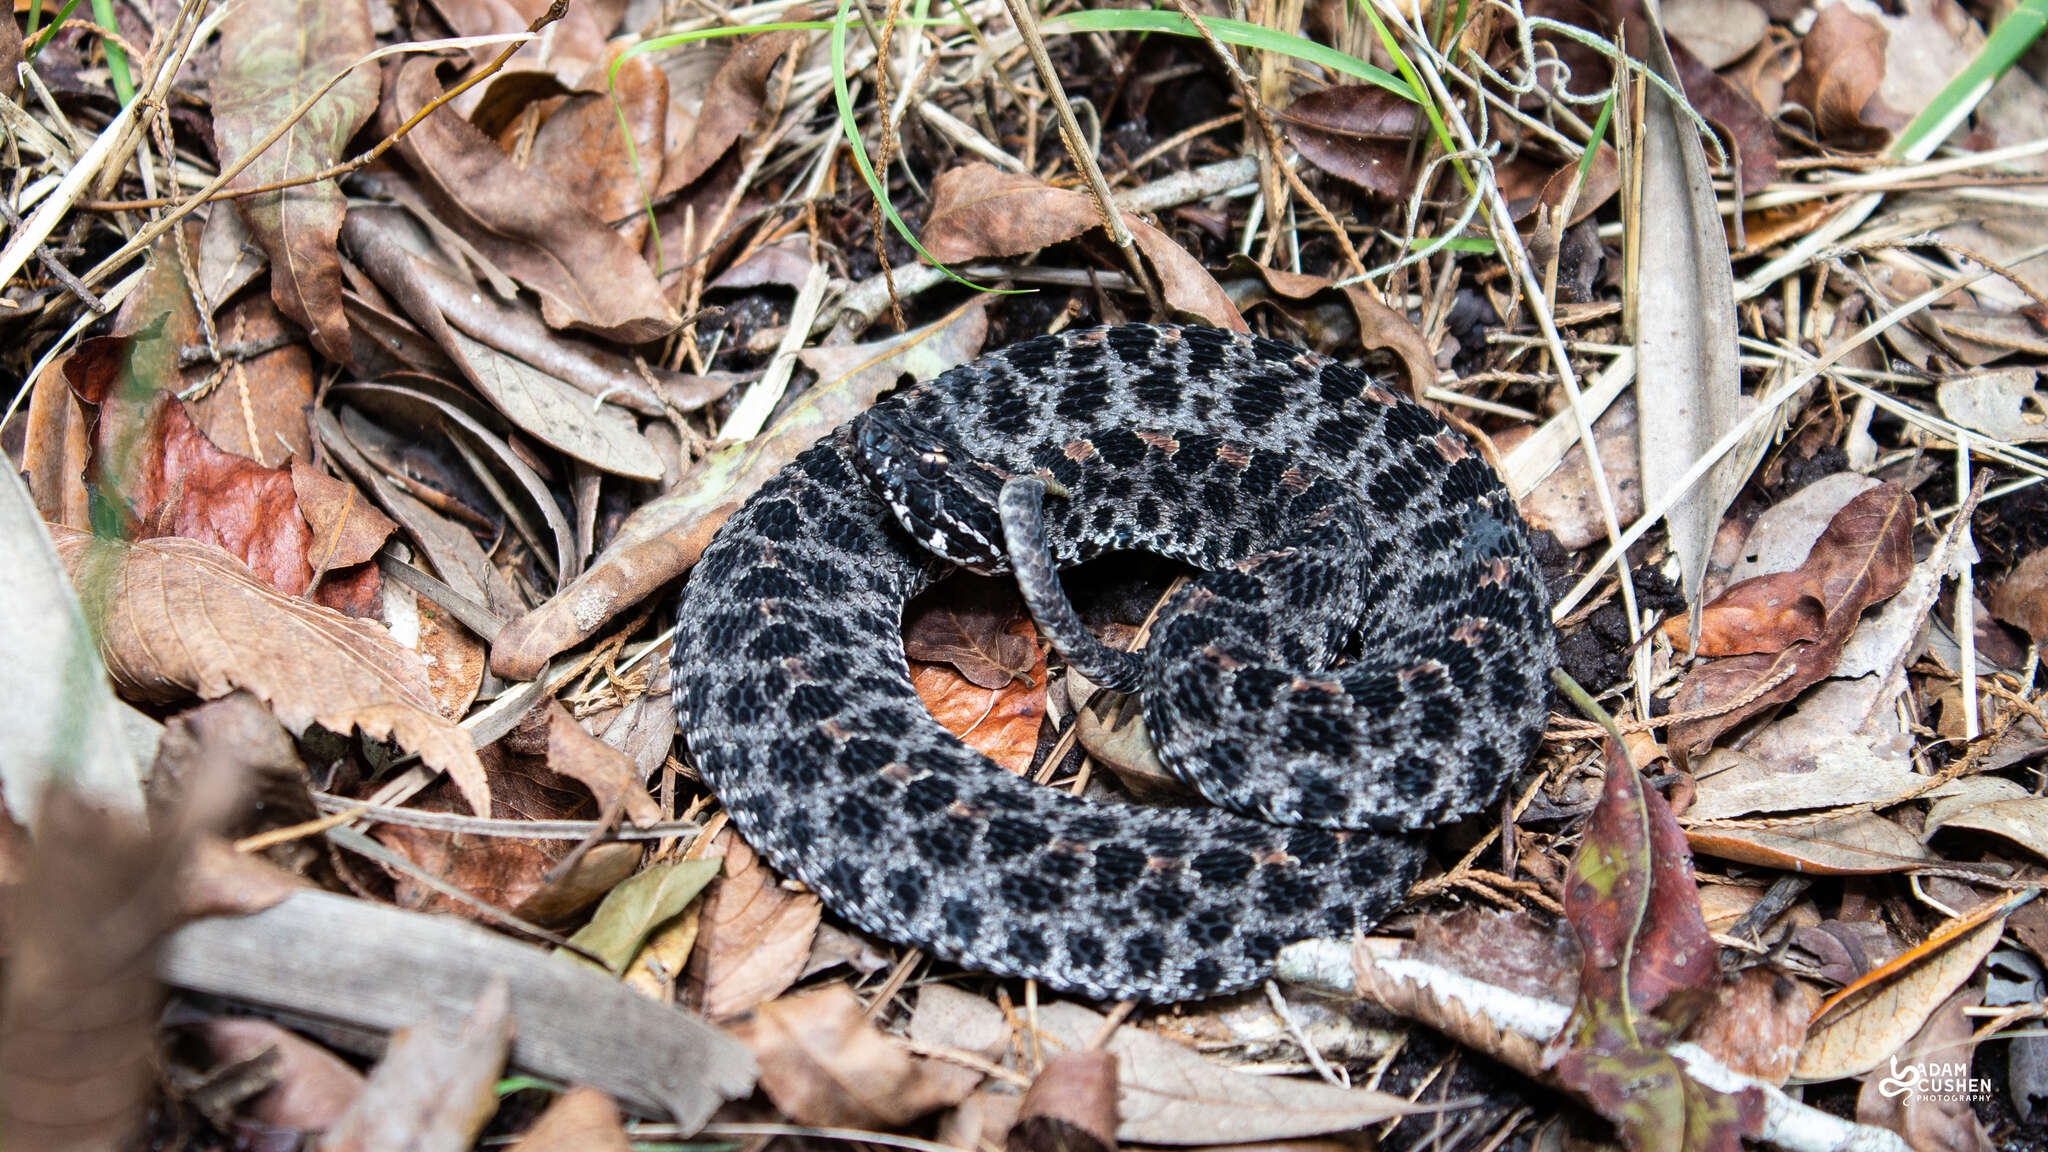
(1368, 651)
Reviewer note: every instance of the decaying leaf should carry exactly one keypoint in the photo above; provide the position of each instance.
(824, 1063)
(585, 275)
(346, 528)
(1648, 964)
(1756, 1022)
(309, 1086)
(755, 936)
(1362, 132)
(82, 997)
(582, 147)
(976, 664)
(634, 909)
(1858, 1036)
(979, 210)
(598, 766)
(1070, 1106)
(2002, 404)
(1995, 805)
(1864, 557)
(1841, 67)
(1170, 1094)
(735, 97)
(1860, 844)
(179, 618)
(275, 53)
(1931, 1119)
(2021, 599)
(966, 624)
(579, 1120)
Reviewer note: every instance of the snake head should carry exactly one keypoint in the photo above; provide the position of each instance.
(942, 497)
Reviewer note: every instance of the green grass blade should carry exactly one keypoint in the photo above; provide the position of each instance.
(49, 33)
(1960, 96)
(1414, 79)
(1236, 32)
(843, 98)
(117, 60)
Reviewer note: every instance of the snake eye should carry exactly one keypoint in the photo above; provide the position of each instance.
(931, 465)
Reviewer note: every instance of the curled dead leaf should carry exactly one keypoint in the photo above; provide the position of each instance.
(824, 1063)
(1841, 67)
(179, 618)
(1361, 132)
(1070, 1106)
(979, 210)
(755, 938)
(1864, 556)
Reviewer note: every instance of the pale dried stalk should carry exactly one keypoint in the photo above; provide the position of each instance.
(1077, 151)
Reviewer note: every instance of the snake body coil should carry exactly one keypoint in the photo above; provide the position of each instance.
(1366, 656)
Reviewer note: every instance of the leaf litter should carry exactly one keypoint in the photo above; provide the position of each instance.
(405, 435)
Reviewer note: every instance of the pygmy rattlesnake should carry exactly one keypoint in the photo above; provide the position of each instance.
(1367, 652)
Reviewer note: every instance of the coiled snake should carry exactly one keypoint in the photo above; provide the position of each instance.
(1365, 657)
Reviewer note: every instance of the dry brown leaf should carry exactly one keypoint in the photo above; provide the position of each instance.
(346, 528)
(433, 1089)
(1361, 132)
(1170, 1094)
(1862, 844)
(565, 895)
(232, 755)
(179, 618)
(979, 210)
(1070, 1106)
(735, 97)
(948, 1017)
(2021, 599)
(1562, 503)
(1756, 1023)
(755, 935)
(982, 1120)
(1994, 805)
(1855, 1038)
(606, 771)
(274, 52)
(1000, 723)
(309, 1086)
(1719, 32)
(1863, 557)
(1941, 1120)
(448, 306)
(1840, 69)
(81, 1001)
(10, 59)
(258, 408)
(219, 881)
(579, 1120)
(968, 624)
(1761, 615)
(824, 1063)
(580, 145)
(453, 654)
(56, 449)
(1512, 950)
(585, 275)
